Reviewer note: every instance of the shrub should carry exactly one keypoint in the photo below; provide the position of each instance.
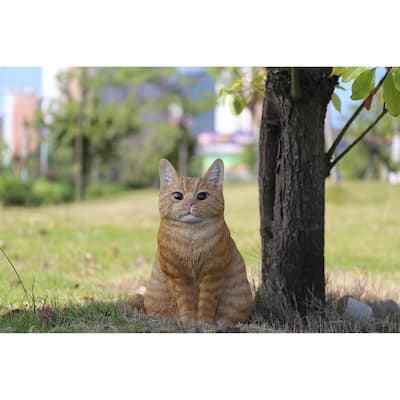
(15, 192)
(95, 190)
(46, 192)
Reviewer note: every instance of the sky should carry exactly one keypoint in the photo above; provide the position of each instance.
(19, 78)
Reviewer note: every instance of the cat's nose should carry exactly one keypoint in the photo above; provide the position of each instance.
(188, 205)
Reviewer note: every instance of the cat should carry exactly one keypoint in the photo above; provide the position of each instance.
(198, 273)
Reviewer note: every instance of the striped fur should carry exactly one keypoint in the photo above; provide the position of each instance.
(198, 273)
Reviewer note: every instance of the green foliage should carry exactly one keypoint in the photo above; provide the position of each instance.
(373, 150)
(249, 156)
(140, 162)
(14, 192)
(336, 102)
(354, 167)
(163, 137)
(244, 91)
(3, 147)
(363, 84)
(391, 95)
(46, 192)
(396, 77)
(101, 189)
(115, 112)
(102, 123)
(237, 105)
(348, 73)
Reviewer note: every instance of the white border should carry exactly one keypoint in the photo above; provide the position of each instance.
(199, 33)
(195, 366)
(194, 33)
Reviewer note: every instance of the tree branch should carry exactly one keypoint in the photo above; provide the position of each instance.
(337, 159)
(339, 137)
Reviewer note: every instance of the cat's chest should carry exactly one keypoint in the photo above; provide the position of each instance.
(192, 252)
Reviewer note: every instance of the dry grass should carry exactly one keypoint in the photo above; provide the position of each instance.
(273, 313)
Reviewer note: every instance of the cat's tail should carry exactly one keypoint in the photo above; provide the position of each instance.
(137, 300)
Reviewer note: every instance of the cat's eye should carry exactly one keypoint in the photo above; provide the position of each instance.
(202, 196)
(177, 195)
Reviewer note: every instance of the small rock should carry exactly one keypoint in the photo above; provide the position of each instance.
(357, 309)
(2, 243)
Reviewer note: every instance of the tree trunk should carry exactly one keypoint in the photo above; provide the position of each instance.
(79, 140)
(292, 181)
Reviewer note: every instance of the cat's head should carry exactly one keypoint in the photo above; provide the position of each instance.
(191, 200)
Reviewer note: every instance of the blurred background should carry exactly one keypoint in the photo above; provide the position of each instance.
(73, 133)
(69, 134)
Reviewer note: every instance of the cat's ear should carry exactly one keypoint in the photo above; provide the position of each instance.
(215, 174)
(167, 173)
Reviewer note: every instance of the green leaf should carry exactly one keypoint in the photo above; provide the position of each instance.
(336, 102)
(363, 85)
(350, 73)
(391, 96)
(337, 71)
(396, 77)
(237, 104)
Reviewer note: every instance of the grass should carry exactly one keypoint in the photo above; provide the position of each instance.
(85, 260)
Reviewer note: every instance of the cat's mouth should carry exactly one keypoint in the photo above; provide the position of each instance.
(189, 218)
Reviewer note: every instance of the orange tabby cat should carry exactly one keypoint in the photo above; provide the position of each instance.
(198, 273)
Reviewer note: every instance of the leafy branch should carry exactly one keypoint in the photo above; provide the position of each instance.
(339, 137)
(244, 91)
(337, 159)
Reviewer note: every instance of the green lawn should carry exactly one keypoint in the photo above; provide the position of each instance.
(103, 249)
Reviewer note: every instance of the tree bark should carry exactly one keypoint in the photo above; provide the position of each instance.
(292, 181)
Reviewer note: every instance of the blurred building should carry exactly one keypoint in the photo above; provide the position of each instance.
(228, 136)
(19, 134)
(229, 147)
